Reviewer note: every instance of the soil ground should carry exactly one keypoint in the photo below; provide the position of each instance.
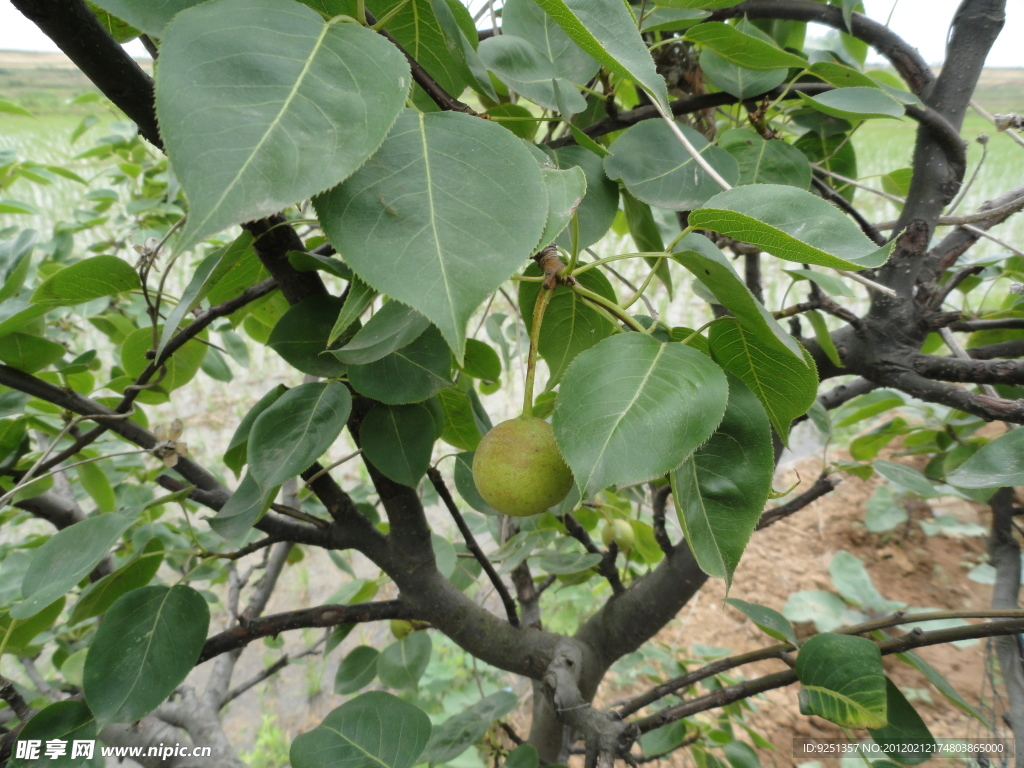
(905, 565)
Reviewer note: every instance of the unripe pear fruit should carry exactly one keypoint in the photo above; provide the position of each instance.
(518, 469)
(400, 628)
(619, 531)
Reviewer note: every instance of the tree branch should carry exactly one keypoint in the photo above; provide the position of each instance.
(683, 107)
(844, 393)
(189, 332)
(748, 688)
(607, 737)
(995, 324)
(904, 57)
(208, 490)
(474, 547)
(607, 565)
(430, 596)
(824, 484)
(433, 89)
(944, 255)
(270, 671)
(15, 700)
(1011, 348)
(1004, 552)
(937, 173)
(843, 204)
(220, 677)
(971, 371)
(79, 34)
(985, 406)
(321, 616)
(52, 508)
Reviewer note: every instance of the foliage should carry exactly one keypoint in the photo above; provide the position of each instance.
(306, 179)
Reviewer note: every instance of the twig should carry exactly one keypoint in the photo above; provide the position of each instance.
(321, 616)
(824, 484)
(902, 644)
(29, 665)
(950, 285)
(871, 284)
(991, 118)
(187, 333)
(607, 565)
(680, 107)
(298, 514)
(896, 199)
(978, 217)
(841, 202)
(439, 95)
(442, 490)
(270, 671)
(248, 549)
(516, 738)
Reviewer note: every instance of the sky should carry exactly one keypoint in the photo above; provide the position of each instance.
(922, 23)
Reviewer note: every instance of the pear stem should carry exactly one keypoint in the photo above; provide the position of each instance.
(543, 298)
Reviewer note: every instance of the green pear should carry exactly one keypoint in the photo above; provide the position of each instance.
(619, 531)
(400, 628)
(518, 469)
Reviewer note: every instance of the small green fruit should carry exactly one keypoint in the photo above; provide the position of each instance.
(619, 531)
(518, 469)
(400, 628)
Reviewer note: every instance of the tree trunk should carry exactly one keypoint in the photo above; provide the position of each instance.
(1005, 555)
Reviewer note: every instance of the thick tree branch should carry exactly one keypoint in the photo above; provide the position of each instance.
(431, 597)
(844, 393)
(995, 324)
(339, 504)
(1004, 552)
(629, 619)
(273, 240)
(970, 371)
(79, 34)
(985, 406)
(607, 737)
(1011, 348)
(938, 174)
(151, 731)
(52, 508)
